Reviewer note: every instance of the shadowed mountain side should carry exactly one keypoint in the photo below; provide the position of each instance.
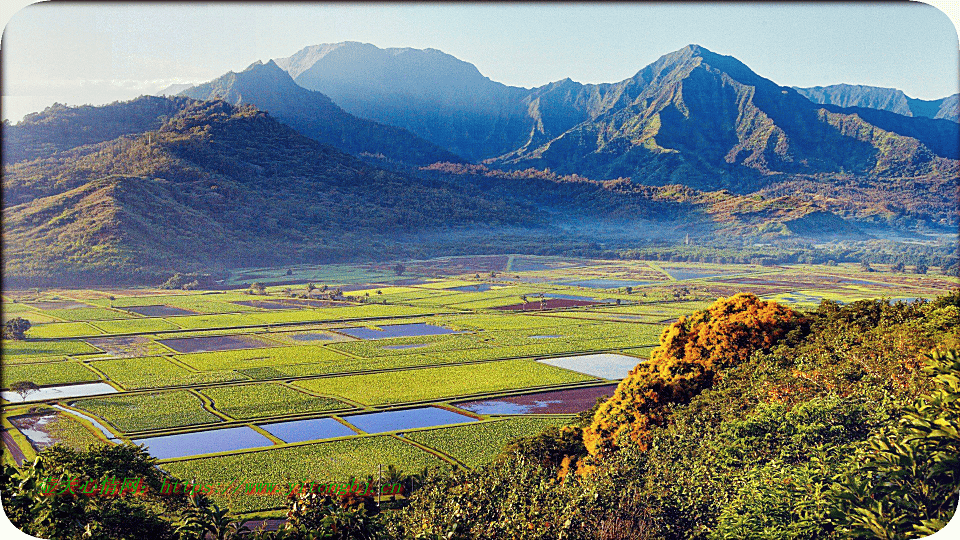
(58, 127)
(218, 186)
(271, 89)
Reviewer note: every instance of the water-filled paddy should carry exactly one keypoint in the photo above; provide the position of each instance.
(547, 303)
(682, 274)
(158, 311)
(34, 428)
(308, 430)
(203, 442)
(570, 401)
(600, 283)
(604, 365)
(61, 392)
(396, 330)
(401, 347)
(211, 343)
(479, 287)
(58, 305)
(311, 336)
(420, 417)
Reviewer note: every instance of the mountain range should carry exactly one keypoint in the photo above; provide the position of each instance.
(887, 99)
(348, 151)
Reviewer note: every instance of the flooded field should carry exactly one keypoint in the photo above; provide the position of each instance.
(396, 330)
(605, 365)
(158, 311)
(406, 419)
(211, 343)
(60, 392)
(203, 442)
(559, 402)
(308, 430)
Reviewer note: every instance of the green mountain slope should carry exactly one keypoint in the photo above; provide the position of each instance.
(216, 186)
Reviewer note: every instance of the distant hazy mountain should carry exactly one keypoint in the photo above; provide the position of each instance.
(887, 99)
(173, 89)
(440, 98)
(313, 114)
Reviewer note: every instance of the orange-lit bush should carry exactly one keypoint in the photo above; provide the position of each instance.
(691, 352)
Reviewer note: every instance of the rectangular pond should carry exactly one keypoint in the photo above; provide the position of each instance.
(419, 417)
(34, 428)
(212, 343)
(571, 401)
(158, 311)
(203, 442)
(682, 274)
(396, 330)
(601, 283)
(479, 287)
(604, 365)
(310, 336)
(308, 430)
(61, 392)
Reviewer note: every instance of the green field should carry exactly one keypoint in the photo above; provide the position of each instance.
(441, 382)
(476, 444)
(155, 410)
(320, 462)
(259, 400)
(48, 373)
(305, 367)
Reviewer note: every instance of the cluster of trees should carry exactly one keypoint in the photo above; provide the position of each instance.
(16, 328)
(691, 353)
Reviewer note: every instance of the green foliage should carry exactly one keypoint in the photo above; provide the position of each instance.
(15, 328)
(904, 482)
(75, 516)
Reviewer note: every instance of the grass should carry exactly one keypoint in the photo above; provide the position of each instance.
(478, 443)
(157, 372)
(140, 412)
(48, 373)
(269, 399)
(441, 382)
(321, 462)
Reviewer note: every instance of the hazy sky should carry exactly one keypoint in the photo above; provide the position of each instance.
(97, 52)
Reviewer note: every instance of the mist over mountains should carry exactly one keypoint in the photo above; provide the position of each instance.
(348, 151)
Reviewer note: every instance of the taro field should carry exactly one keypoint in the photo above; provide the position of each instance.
(331, 372)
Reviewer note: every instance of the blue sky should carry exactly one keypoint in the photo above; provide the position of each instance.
(97, 53)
